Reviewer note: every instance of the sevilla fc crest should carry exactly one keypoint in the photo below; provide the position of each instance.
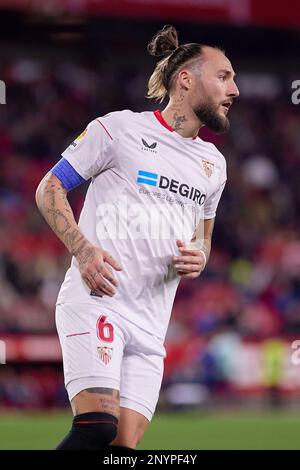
(208, 167)
(105, 354)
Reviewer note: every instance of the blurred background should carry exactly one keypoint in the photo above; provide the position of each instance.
(232, 374)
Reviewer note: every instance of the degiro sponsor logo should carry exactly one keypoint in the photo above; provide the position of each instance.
(153, 179)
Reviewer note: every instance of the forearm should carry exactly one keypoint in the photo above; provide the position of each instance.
(202, 237)
(206, 247)
(201, 245)
(51, 199)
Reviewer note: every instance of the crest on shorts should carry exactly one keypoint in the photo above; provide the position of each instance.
(208, 167)
(105, 354)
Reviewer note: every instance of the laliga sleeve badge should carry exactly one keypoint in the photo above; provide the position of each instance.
(105, 354)
(75, 143)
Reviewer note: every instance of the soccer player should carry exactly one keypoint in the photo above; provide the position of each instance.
(147, 222)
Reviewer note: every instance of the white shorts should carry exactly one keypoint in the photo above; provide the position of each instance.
(103, 349)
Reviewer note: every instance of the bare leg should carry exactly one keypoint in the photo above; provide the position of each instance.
(95, 424)
(132, 426)
(97, 399)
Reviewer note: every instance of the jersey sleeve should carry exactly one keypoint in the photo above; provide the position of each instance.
(92, 151)
(211, 203)
(67, 175)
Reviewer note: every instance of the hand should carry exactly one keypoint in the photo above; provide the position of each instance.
(95, 268)
(190, 263)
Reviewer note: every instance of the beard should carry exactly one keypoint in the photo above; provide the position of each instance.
(207, 113)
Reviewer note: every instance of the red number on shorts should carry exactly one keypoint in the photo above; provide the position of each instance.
(105, 331)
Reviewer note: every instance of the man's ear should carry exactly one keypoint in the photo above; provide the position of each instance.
(185, 79)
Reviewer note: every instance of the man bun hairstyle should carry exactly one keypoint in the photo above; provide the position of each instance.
(165, 44)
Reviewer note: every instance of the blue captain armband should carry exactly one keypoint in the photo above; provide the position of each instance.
(67, 175)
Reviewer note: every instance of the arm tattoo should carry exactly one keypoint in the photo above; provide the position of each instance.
(57, 211)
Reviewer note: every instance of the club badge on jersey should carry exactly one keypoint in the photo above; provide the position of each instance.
(105, 354)
(208, 167)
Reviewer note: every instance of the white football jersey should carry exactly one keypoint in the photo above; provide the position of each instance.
(150, 186)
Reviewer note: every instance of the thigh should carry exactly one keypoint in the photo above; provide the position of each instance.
(97, 399)
(92, 345)
(142, 372)
(141, 378)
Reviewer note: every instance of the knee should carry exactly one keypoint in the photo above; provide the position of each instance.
(98, 430)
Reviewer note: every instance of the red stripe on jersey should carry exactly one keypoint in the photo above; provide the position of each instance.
(95, 422)
(159, 117)
(79, 334)
(104, 129)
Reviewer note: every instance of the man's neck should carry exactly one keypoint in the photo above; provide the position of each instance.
(180, 118)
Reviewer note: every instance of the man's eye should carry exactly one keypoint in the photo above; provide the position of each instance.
(222, 77)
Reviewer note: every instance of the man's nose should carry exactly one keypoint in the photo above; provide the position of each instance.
(233, 90)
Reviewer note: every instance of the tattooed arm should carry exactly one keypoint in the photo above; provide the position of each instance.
(51, 199)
